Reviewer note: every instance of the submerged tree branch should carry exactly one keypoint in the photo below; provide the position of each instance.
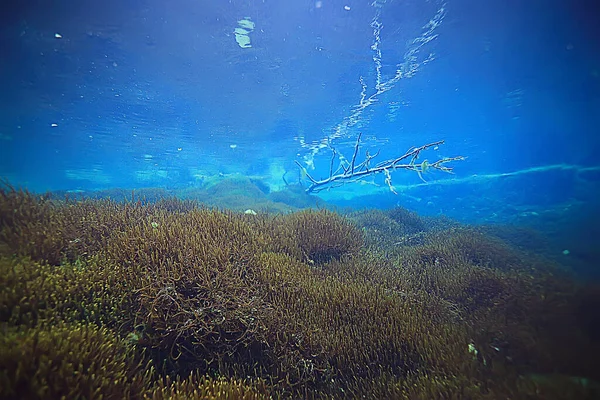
(355, 172)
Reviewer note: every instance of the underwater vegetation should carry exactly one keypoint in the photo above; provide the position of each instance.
(169, 299)
(236, 193)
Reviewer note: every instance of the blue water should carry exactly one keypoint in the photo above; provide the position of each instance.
(134, 94)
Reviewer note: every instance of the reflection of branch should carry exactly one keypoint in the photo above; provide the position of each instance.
(353, 172)
(414, 58)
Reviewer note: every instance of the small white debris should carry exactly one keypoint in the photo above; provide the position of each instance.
(233, 146)
(347, 8)
(250, 212)
(58, 35)
(566, 252)
(54, 125)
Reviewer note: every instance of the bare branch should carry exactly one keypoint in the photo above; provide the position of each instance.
(356, 146)
(333, 154)
(356, 172)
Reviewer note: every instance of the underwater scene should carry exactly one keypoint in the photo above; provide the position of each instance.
(300, 199)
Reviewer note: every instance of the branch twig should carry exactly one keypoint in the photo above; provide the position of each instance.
(354, 172)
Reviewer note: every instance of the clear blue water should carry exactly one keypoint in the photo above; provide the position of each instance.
(133, 94)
